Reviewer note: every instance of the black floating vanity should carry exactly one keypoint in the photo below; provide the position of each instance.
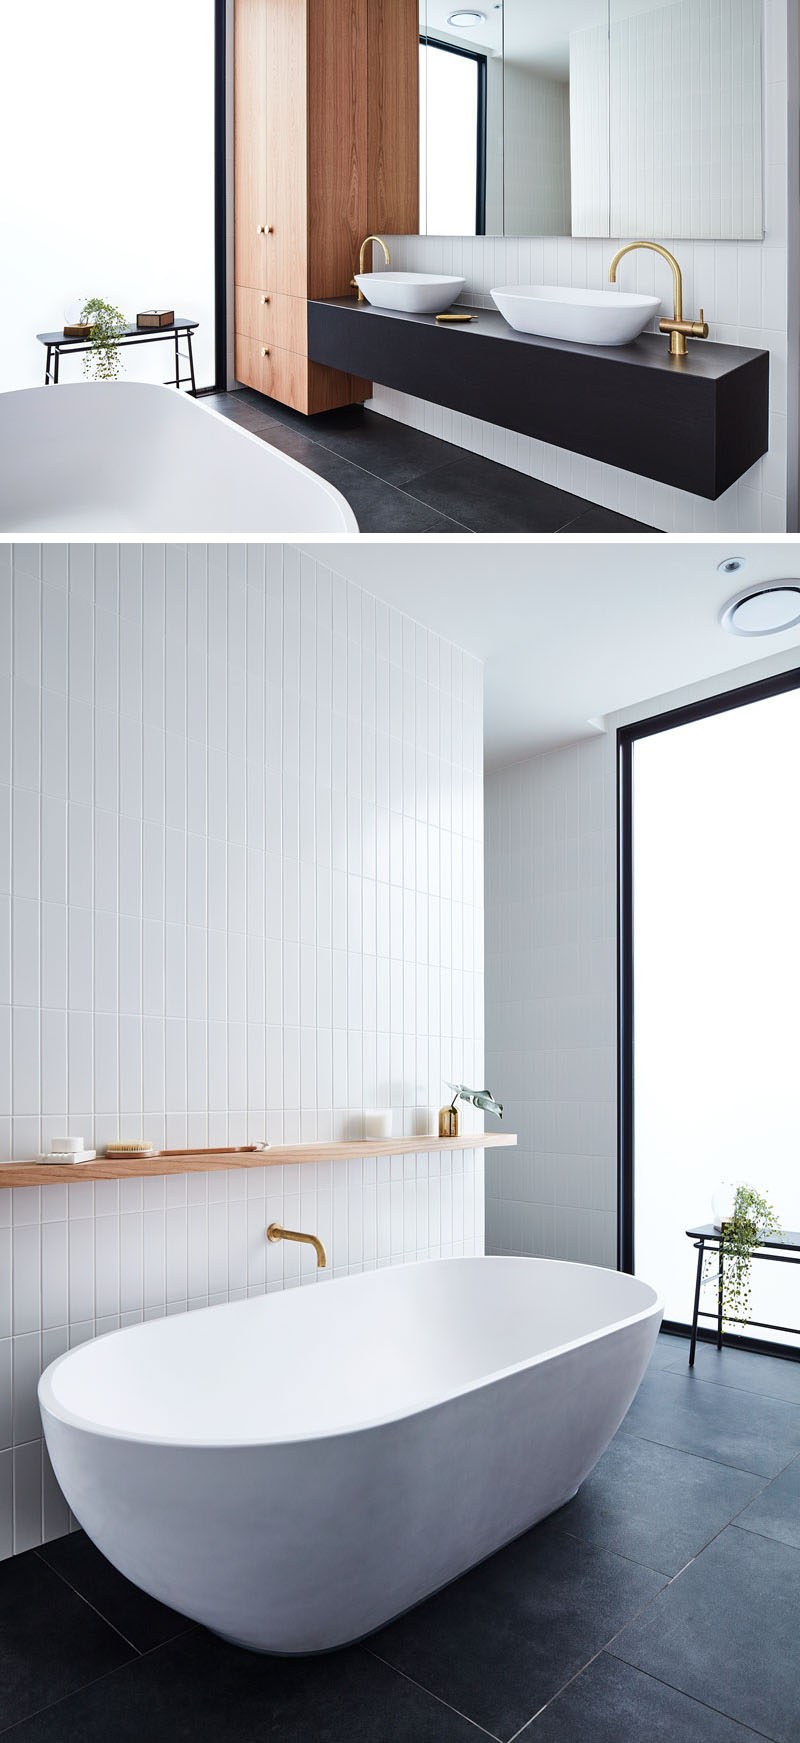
(696, 422)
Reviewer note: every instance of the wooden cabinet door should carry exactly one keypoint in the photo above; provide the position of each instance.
(250, 140)
(286, 174)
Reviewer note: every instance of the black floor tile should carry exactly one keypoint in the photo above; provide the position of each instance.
(775, 1376)
(610, 1702)
(668, 1352)
(776, 1511)
(51, 1642)
(199, 1690)
(726, 1632)
(378, 507)
(489, 498)
(502, 1640)
(654, 1504)
(596, 519)
(747, 1430)
(142, 1619)
(393, 451)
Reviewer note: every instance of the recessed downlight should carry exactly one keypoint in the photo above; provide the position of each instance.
(764, 610)
(466, 20)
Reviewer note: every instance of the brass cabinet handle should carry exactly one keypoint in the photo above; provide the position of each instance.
(266, 299)
(265, 350)
(263, 229)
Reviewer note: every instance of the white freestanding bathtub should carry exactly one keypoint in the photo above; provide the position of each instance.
(131, 457)
(295, 1470)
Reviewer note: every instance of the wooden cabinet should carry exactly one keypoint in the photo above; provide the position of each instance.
(305, 132)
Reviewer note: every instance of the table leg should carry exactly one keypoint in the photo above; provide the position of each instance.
(177, 364)
(56, 356)
(696, 1308)
(719, 1297)
(47, 369)
(191, 364)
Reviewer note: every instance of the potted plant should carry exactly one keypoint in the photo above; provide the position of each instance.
(106, 324)
(751, 1221)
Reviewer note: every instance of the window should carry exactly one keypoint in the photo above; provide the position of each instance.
(452, 94)
(107, 135)
(710, 947)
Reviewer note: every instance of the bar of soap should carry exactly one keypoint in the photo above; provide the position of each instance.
(66, 1146)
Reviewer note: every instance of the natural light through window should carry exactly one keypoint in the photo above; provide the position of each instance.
(716, 843)
(107, 143)
(449, 118)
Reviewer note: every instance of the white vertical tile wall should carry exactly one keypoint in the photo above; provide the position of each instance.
(551, 986)
(240, 896)
(742, 287)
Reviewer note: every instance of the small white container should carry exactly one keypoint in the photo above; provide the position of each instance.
(378, 1123)
(66, 1146)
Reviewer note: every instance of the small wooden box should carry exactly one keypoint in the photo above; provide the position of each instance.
(76, 329)
(156, 318)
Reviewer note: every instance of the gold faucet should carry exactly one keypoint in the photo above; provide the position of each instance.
(275, 1232)
(364, 246)
(677, 328)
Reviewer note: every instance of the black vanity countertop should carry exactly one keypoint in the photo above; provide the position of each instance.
(697, 422)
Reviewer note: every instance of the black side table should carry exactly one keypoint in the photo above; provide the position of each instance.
(57, 346)
(776, 1248)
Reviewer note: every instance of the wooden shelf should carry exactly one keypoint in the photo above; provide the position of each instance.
(201, 1162)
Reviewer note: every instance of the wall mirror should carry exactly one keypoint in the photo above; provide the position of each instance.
(591, 118)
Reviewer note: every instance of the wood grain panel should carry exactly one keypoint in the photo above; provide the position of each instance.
(329, 388)
(337, 142)
(249, 138)
(286, 267)
(393, 117)
(282, 375)
(280, 321)
(203, 1162)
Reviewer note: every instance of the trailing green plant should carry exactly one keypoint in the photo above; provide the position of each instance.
(107, 323)
(752, 1220)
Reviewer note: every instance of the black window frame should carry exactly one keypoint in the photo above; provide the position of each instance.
(220, 200)
(477, 55)
(741, 696)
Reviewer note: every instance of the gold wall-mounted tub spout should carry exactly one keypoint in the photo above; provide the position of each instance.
(361, 257)
(276, 1232)
(678, 328)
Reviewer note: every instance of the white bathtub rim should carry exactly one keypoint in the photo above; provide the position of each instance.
(149, 387)
(90, 1425)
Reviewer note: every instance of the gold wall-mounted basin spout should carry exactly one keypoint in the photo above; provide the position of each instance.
(362, 256)
(276, 1232)
(678, 329)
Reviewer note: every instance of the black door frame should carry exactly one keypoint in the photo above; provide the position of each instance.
(472, 54)
(627, 737)
(220, 200)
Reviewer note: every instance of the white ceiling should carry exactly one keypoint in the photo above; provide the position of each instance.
(571, 632)
(534, 32)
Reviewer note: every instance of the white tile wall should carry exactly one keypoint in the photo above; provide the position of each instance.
(742, 287)
(551, 987)
(240, 895)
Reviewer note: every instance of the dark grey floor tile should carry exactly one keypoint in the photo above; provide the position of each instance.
(199, 1690)
(596, 519)
(668, 1352)
(51, 1642)
(775, 1376)
(747, 1430)
(142, 1620)
(489, 498)
(726, 1632)
(776, 1511)
(655, 1504)
(378, 507)
(502, 1640)
(610, 1702)
(393, 451)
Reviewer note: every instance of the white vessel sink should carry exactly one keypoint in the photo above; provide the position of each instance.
(588, 317)
(413, 293)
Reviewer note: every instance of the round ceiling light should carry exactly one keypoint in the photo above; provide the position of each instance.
(766, 610)
(466, 20)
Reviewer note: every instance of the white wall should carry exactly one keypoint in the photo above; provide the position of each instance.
(240, 896)
(551, 986)
(741, 285)
(536, 192)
